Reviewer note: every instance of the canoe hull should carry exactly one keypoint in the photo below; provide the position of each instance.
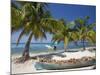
(49, 66)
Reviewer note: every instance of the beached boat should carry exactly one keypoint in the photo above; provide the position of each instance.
(51, 66)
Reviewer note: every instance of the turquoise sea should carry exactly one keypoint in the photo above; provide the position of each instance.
(40, 47)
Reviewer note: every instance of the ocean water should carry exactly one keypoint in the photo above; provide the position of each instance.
(41, 47)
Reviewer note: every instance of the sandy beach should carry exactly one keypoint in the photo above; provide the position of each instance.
(29, 66)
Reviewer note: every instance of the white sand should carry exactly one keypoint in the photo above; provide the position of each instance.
(76, 55)
(28, 66)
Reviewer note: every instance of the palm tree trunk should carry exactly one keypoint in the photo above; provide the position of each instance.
(65, 43)
(84, 44)
(65, 48)
(25, 54)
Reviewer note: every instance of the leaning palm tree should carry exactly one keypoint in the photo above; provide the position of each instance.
(65, 34)
(33, 19)
(85, 30)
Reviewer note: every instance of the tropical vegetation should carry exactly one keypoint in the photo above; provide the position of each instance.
(86, 31)
(34, 20)
(65, 34)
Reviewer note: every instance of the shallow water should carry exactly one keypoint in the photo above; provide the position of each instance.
(40, 47)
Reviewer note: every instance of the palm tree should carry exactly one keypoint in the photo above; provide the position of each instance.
(34, 20)
(65, 34)
(92, 36)
(85, 30)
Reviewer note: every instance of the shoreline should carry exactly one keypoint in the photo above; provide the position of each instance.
(50, 52)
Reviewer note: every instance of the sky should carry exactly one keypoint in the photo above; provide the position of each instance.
(68, 12)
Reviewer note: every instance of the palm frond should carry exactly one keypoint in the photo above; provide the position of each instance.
(20, 36)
